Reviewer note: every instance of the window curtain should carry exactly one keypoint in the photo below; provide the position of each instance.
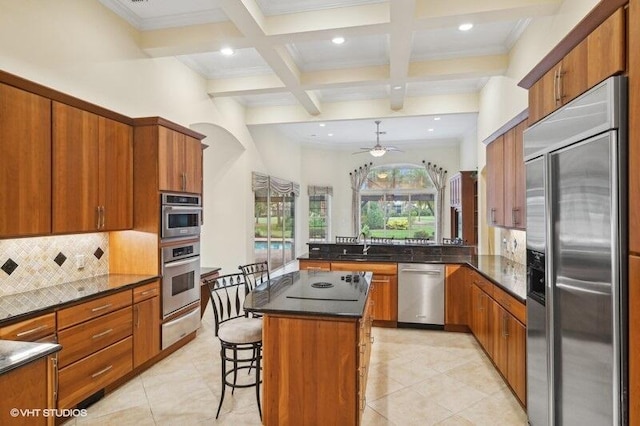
(319, 190)
(358, 177)
(439, 178)
(276, 185)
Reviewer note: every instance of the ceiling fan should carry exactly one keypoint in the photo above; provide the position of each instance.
(378, 150)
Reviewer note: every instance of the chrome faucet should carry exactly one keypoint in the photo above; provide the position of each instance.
(365, 247)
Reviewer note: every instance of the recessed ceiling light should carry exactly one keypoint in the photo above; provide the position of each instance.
(329, 134)
(397, 87)
(465, 27)
(227, 51)
(431, 130)
(321, 124)
(436, 118)
(337, 40)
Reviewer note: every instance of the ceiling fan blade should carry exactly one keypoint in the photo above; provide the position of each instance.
(360, 152)
(393, 148)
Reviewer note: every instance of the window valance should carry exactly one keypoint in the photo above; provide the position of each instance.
(320, 190)
(261, 181)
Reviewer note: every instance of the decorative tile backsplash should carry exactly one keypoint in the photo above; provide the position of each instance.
(31, 263)
(514, 245)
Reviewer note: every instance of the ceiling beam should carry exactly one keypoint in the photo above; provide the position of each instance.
(246, 15)
(368, 109)
(401, 36)
(447, 69)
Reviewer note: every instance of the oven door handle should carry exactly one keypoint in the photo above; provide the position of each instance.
(182, 262)
(183, 208)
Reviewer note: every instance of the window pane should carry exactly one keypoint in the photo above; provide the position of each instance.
(261, 227)
(318, 218)
(398, 202)
(274, 228)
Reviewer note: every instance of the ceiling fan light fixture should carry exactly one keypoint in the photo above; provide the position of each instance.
(377, 151)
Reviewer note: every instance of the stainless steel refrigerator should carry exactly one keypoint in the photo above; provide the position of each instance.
(576, 257)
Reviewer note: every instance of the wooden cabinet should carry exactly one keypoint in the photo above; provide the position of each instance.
(600, 55)
(97, 346)
(514, 178)
(457, 308)
(146, 323)
(314, 265)
(35, 379)
(495, 182)
(25, 163)
(463, 188)
(384, 293)
(498, 322)
(506, 179)
(180, 162)
(92, 172)
(30, 330)
(316, 369)
(25, 389)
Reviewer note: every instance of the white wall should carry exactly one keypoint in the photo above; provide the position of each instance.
(501, 99)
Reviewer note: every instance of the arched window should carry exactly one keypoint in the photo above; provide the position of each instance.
(398, 201)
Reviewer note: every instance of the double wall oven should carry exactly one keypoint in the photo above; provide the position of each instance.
(181, 216)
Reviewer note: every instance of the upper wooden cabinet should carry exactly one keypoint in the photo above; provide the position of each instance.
(506, 179)
(92, 172)
(495, 182)
(597, 57)
(180, 162)
(25, 163)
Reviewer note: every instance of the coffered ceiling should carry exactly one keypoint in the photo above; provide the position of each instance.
(402, 61)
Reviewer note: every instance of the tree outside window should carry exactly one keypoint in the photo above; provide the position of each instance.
(398, 202)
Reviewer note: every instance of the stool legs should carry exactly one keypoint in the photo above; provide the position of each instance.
(236, 360)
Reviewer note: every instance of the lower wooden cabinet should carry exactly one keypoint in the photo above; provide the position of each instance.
(25, 389)
(496, 323)
(87, 376)
(457, 296)
(146, 323)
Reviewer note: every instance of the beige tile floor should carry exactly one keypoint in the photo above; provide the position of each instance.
(416, 377)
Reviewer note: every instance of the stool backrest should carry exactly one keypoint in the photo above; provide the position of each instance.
(227, 297)
(255, 274)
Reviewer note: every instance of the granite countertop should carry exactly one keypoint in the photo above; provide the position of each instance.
(342, 295)
(46, 299)
(509, 275)
(15, 354)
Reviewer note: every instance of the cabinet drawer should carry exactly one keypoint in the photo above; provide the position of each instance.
(31, 329)
(376, 268)
(91, 336)
(315, 265)
(92, 309)
(511, 304)
(146, 291)
(484, 284)
(85, 377)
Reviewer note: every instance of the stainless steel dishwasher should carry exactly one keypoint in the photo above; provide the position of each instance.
(420, 294)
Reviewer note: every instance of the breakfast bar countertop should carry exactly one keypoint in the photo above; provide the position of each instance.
(313, 293)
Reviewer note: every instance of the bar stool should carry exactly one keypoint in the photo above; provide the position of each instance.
(255, 274)
(240, 336)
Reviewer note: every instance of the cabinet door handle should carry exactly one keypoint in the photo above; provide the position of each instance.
(137, 315)
(54, 365)
(33, 330)
(97, 217)
(184, 181)
(144, 293)
(104, 333)
(103, 217)
(101, 372)
(99, 308)
(493, 215)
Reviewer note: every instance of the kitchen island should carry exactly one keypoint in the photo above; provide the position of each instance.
(316, 346)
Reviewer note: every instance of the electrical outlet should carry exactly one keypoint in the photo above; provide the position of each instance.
(80, 261)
